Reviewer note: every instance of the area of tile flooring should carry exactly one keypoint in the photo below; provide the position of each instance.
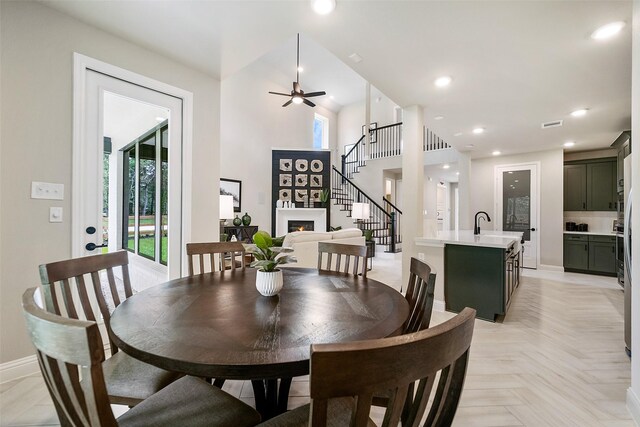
(556, 359)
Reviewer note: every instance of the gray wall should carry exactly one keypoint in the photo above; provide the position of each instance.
(37, 45)
(550, 177)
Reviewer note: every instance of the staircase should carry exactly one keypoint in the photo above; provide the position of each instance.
(384, 221)
(384, 142)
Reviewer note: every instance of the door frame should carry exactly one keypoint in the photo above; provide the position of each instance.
(81, 65)
(497, 197)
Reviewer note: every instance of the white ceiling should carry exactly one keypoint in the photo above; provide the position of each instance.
(514, 64)
(126, 119)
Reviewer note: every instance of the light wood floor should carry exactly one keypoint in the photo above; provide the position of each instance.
(557, 359)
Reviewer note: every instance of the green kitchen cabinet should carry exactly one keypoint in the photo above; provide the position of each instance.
(601, 186)
(591, 185)
(575, 187)
(576, 252)
(602, 254)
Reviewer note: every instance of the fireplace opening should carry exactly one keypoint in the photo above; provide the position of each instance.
(297, 225)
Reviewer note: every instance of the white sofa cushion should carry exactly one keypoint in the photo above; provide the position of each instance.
(304, 236)
(346, 233)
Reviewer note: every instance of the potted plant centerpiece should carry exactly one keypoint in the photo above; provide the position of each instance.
(268, 258)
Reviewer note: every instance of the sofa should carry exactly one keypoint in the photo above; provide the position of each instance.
(305, 244)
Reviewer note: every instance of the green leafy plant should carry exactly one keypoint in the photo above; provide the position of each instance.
(324, 195)
(268, 256)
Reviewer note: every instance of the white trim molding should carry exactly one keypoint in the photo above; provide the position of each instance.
(18, 368)
(633, 405)
(438, 305)
(549, 267)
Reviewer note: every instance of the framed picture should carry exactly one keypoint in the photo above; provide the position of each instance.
(232, 187)
(372, 135)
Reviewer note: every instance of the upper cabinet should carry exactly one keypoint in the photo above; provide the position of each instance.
(590, 185)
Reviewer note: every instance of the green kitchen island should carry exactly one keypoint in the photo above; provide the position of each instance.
(478, 271)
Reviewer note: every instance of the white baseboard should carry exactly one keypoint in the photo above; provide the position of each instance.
(438, 305)
(19, 368)
(633, 405)
(548, 267)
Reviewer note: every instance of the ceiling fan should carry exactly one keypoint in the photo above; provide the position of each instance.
(297, 95)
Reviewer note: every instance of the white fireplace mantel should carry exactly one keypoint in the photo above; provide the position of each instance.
(284, 215)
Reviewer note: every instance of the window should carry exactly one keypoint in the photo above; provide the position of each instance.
(320, 132)
(145, 230)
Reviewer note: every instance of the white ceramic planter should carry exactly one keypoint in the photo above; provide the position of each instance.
(269, 283)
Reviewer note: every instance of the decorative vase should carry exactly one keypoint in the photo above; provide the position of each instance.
(269, 283)
(246, 219)
(237, 221)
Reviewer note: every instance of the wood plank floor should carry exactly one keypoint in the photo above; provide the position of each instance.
(556, 359)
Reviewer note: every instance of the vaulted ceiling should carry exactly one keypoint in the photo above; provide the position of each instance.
(514, 64)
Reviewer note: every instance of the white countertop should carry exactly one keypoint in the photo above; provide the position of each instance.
(592, 233)
(488, 238)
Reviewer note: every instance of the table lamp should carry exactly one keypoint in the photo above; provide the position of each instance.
(226, 208)
(360, 211)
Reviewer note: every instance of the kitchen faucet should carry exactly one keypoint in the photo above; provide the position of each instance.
(476, 226)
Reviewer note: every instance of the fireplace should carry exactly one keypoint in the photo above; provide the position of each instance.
(299, 225)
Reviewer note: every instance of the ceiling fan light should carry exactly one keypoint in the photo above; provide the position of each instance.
(297, 99)
(323, 7)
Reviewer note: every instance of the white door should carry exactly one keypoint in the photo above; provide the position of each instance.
(131, 169)
(516, 196)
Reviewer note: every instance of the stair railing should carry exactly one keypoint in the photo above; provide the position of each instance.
(395, 229)
(354, 159)
(385, 141)
(385, 224)
(432, 142)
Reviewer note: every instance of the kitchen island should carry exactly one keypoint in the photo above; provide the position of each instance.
(478, 271)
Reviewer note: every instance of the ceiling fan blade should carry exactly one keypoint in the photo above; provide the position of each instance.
(310, 94)
(278, 93)
(309, 103)
(296, 87)
(287, 103)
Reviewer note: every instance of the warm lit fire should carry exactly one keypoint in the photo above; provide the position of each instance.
(301, 228)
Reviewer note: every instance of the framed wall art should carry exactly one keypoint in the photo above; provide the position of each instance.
(232, 187)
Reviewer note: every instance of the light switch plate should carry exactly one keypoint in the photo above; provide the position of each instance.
(55, 214)
(47, 191)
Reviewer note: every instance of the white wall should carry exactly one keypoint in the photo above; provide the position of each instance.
(253, 122)
(37, 45)
(551, 197)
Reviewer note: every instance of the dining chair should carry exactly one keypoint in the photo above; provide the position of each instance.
(220, 256)
(69, 349)
(344, 252)
(419, 295)
(129, 381)
(344, 377)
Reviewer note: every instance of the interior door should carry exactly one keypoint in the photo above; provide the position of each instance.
(131, 198)
(517, 206)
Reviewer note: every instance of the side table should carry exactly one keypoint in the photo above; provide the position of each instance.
(242, 233)
(371, 252)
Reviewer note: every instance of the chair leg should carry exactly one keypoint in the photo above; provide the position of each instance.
(218, 382)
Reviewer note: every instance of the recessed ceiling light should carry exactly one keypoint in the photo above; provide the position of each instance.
(445, 166)
(457, 173)
(496, 153)
(355, 57)
(607, 31)
(569, 144)
(332, 97)
(300, 69)
(579, 113)
(442, 81)
(159, 119)
(470, 146)
(516, 180)
(323, 7)
(478, 131)
(438, 118)
(457, 134)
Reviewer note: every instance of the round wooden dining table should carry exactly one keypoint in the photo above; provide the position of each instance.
(217, 325)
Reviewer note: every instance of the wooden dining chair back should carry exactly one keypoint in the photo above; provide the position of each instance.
(71, 356)
(359, 369)
(79, 281)
(72, 288)
(419, 295)
(215, 256)
(67, 350)
(340, 257)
